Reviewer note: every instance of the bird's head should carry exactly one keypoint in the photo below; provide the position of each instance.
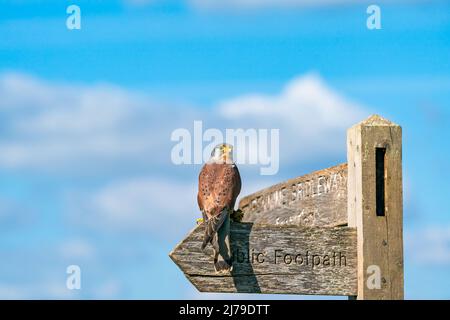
(222, 153)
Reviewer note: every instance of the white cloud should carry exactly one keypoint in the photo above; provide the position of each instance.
(429, 246)
(139, 2)
(266, 4)
(41, 274)
(51, 289)
(166, 209)
(304, 100)
(54, 126)
(45, 290)
(215, 4)
(72, 128)
(14, 213)
(160, 207)
(312, 117)
(110, 289)
(260, 4)
(77, 249)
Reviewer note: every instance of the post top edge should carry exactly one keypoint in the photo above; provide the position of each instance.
(376, 120)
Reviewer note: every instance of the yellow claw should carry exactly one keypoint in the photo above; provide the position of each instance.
(199, 220)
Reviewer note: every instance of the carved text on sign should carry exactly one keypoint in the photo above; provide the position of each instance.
(288, 257)
(316, 199)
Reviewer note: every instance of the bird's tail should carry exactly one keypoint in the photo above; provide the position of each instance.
(212, 225)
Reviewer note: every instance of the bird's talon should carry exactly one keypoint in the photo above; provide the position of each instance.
(237, 215)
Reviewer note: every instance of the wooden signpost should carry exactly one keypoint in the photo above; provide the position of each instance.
(337, 231)
(318, 199)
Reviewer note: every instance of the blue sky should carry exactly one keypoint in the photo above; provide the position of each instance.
(86, 117)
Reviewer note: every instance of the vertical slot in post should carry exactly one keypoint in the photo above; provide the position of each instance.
(380, 154)
(375, 205)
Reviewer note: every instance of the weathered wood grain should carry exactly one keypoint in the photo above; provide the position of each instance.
(380, 238)
(316, 199)
(326, 260)
(295, 222)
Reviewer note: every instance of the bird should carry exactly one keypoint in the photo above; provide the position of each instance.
(219, 185)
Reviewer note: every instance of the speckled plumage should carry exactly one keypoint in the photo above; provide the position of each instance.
(218, 188)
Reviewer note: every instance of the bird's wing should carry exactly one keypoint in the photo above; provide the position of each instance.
(227, 187)
(219, 186)
(237, 184)
(205, 196)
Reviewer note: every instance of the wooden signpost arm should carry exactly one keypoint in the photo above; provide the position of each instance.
(337, 231)
(375, 206)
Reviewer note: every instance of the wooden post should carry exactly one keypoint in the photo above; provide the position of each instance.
(375, 206)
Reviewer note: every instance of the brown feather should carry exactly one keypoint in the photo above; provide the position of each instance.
(218, 188)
